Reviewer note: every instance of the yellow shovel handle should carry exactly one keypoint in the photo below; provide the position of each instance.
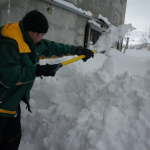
(75, 59)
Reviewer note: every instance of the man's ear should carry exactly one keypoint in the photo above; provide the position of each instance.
(34, 33)
(31, 33)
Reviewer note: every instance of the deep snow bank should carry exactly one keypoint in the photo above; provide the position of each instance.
(118, 119)
(97, 111)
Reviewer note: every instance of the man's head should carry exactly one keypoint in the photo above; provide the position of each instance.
(36, 24)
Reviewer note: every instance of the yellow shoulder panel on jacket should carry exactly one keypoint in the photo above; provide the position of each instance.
(12, 30)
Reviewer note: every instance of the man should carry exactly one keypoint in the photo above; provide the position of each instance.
(21, 46)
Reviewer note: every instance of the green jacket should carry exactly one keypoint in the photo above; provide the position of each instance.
(18, 59)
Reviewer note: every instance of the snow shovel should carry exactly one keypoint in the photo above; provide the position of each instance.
(73, 60)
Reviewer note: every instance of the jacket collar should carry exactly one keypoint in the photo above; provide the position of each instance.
(16, 32)
(27, 38)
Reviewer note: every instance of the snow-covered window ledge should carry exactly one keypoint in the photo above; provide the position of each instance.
(93, 31)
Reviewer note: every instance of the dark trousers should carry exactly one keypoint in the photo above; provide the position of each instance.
(10, 132)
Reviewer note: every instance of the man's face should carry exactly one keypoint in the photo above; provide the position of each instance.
(37, 37)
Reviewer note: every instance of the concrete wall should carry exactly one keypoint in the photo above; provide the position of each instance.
(65, 27)
(114, 10)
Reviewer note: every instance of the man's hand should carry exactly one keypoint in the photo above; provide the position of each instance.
(47, 70)
(83, 51)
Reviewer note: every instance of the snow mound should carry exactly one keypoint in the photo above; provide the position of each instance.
(108, 111)
(117, 119)
(110, 37)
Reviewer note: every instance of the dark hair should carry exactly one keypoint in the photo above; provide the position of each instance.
(35, 21)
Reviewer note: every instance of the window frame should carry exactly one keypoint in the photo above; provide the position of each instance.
(88, 31)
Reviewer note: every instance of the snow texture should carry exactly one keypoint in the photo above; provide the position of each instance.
(111, 35)
(104, 19)
(95, 23)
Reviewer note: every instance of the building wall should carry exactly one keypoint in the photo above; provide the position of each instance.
(114, 10)
(65, 27)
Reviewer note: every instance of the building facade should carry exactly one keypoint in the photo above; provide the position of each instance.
(65, 25)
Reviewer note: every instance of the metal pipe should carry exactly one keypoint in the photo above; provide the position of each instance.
(55, 3)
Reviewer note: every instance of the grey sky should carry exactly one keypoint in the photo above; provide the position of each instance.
(138, 13)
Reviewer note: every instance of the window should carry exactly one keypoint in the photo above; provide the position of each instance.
(93, 31)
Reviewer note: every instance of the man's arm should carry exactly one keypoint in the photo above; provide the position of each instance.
(54, 49)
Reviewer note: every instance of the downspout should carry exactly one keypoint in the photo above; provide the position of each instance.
(55, 3)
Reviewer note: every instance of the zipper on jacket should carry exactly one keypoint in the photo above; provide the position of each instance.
(37, 48)
(18, 136)
(3, 96)
(4, 85)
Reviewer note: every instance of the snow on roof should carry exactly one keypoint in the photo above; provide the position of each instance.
(74, 7)
(95, 23)
(88, 13)
(104, 19)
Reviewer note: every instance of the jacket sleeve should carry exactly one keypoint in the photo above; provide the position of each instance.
(54, 49)
(12, 71)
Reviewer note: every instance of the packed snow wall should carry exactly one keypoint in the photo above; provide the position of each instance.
(64, 26)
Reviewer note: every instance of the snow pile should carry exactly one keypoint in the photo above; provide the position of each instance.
(97, 111)
(111, 36)
(117, 119)
(102, 109)
(128, 63)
